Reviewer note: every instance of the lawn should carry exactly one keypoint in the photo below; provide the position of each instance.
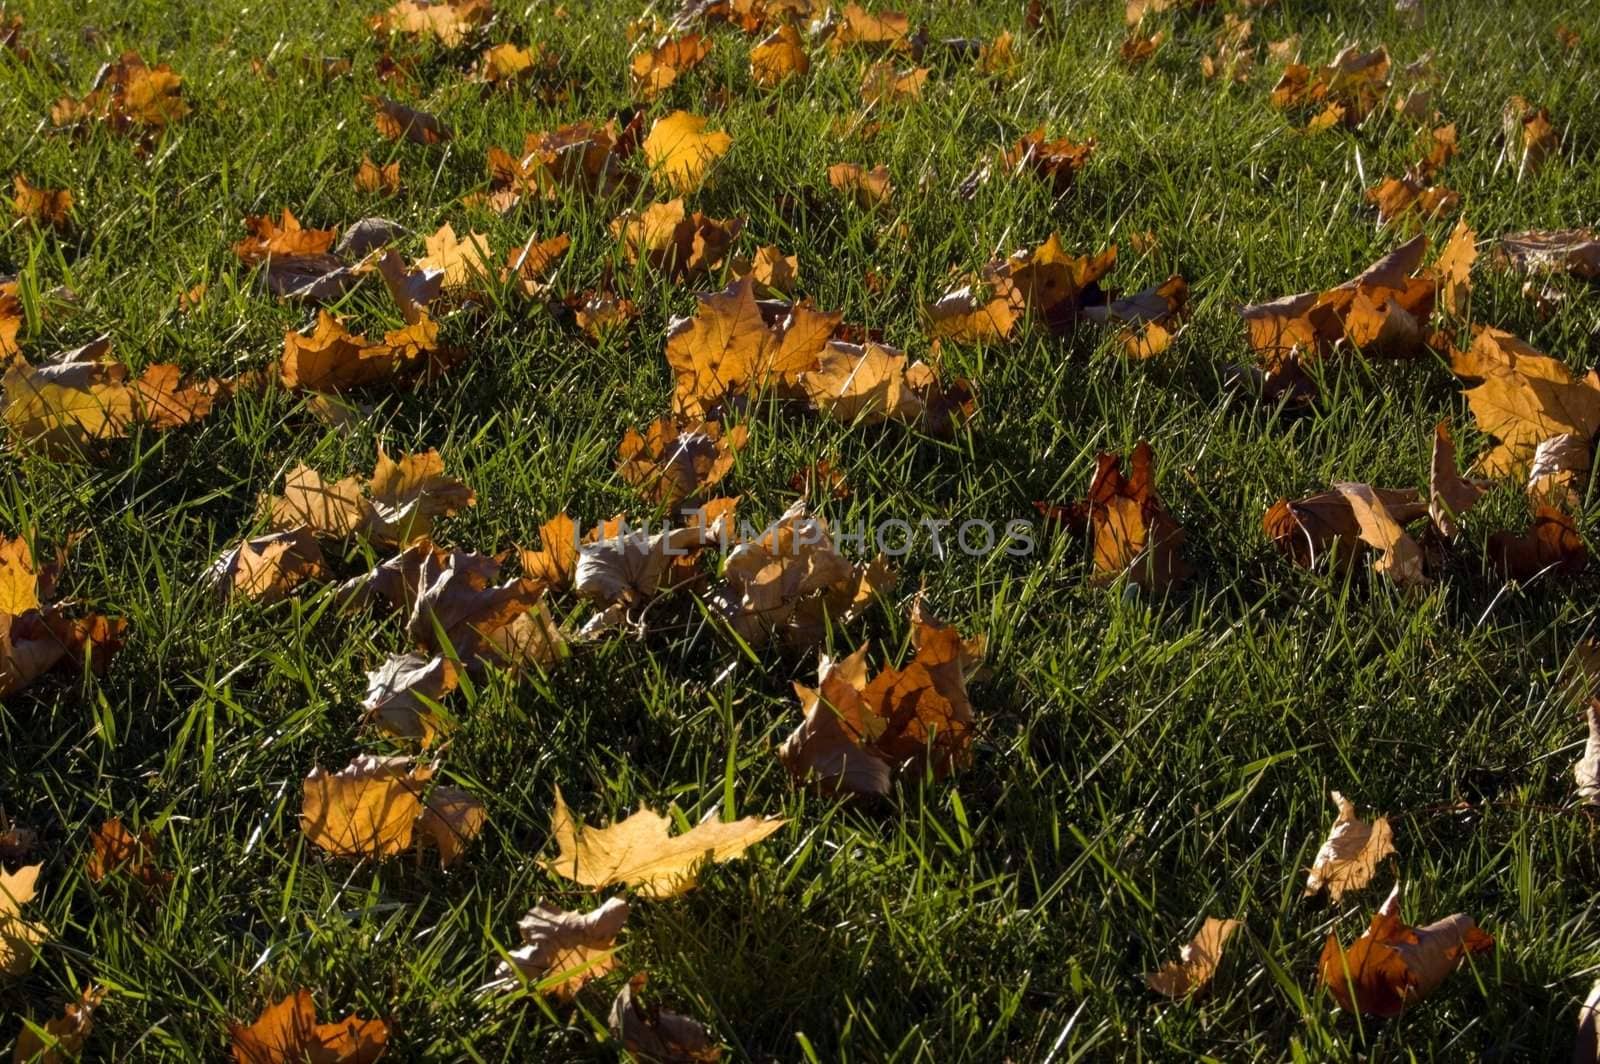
(1142, 757)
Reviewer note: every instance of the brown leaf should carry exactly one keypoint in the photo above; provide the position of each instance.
(1574, 251)
(1450, 495)
(1400, 558)
(129, 97)
(674, 243)
(41, 206)
(18, 936)
(447, 21)
(1524, 399)
(778, 57)
(1395, 196)
(656, 1034)
(265, 569)
(867, 188)
(882, 29)
(116, 849)
(1587, 769)
(641, 852)
(571, 948)
(505, 63)
(655, 68)
(1150, 317)
(450, 819)
(1530, 137)
(63, 1036)
(1349, 88)
(399, 692)
(1559, 473)
(884, 84)
(288, 1033)
(680, 152)
(1392, 966)
(1350, 857)
(1197, 961)
(396, 505)
(1308, 529)
(1055, 161)
(367, 809)
(1551, 545)
(1132, 532)
(394, 120)
(770, 268)
(534, 262)
(372, 178)
(674, 462)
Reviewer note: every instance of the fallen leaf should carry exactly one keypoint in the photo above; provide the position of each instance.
(1573, 251)
(1396, 196)
(375, 179)
(770, 268)
(1044, 283)
(1136, 47)
(1524, 399)
(656, 1034)
(395, 506)
(394, 120)
(502, 64)
(641, 852)
(447, 21)
(1197, 961)
(18, 936)
(129, 97)
(883, 83)
(1558, 476)
(63, 1037)
(288, 1032)
(778, 57)
(673, 462)
(1350, 857)
(534, 262)
(1587, 769)
(572, 948)
(554, 565)
(1055, 161)
(1308, 529)
(1400, 557)
(266, 568)
(1450, 495)
(1392, 966)
(673, 243)
(680, 151)
(1550, 546)
(450, 819)
(1132, 532)
(1149, 317)
(399, 693)
(462, 261)
(867, 188)
(116, 849)
(654, 69)
(41, 206)
(882, 29)
(1530, 137)
(1349, 88)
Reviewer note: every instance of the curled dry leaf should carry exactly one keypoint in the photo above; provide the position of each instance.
(534, 262)
(553, 566)
(449, 22)
(883, 83)
(567, 948)
(674, 243)
(675, 461)
(1044, 282)
(867, 188)
(641, 852)
(1530, 137)
(462, 261)
(620, 568)
(602, 314)
(582, 156)
(778, 57)
(1136, 47)
(10, 320)
(1055, 161)
(792, 581)
(858, 730)
(654, 69)
(680, 151)
(769, 268)
(1550, 546)
(1350, 856)
(395, 120)
(1559, 473)
(1587, 770)
(375, 179)
(266, 568)
(866, 384)
(41, 206)
(1450, 495)
(1525, 398)
(18, 936)
(116, 849)
(1574, 251)
(289, 1032)
(129, 97)
(1396, 196)
(649, 1032)
(36, 636)
(374, 807)
(397, 505)
(1132, 532)
(1399, 556)
(333, 359)
(1149, 317)
(400, 693)
(1392, 966)
(1197, 961)
(883, 30)
(1349, 88)
(1308, 529)
(62, 1038)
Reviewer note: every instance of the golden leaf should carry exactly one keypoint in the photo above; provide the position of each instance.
(680, 151)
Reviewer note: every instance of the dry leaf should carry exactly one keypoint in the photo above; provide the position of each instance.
(770, 268)
(41, 206)
(1550, 546)
(1136, 47)
(641, 852)
(63, 1036)
(868, 188)
(1132, 532)
(1525, 398)
(395, 506)
(1574, 251)
(505, 63)
(883, 29)
(266, 568)
(372, 178)
(1150, 317)
(288, 1033)
(1349, 858)
(1044, 283)
(570, 947)
(1587, 770)
(1392, 966)
(367, 809)
(1400, 558)
(1558, 476)
(1197, 962)
(1055, 161)
(656, 1034)
(673, 462)
(18, 936)
(462, 261)
(534, 262)
(1395, 196)
(1530, 138)
(673, 243)
(883, 83)
(1308, 529)
(680, 151)
(394, 120)
(116, 849)
(778, 57)
(447, 21)
(399, 693)
(1349, 88)
(1450, 495)
(129, 96)
(655, 69)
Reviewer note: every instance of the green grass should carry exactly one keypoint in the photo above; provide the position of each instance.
(1141, 764)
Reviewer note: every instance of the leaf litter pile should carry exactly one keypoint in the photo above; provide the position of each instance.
(445, 605)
